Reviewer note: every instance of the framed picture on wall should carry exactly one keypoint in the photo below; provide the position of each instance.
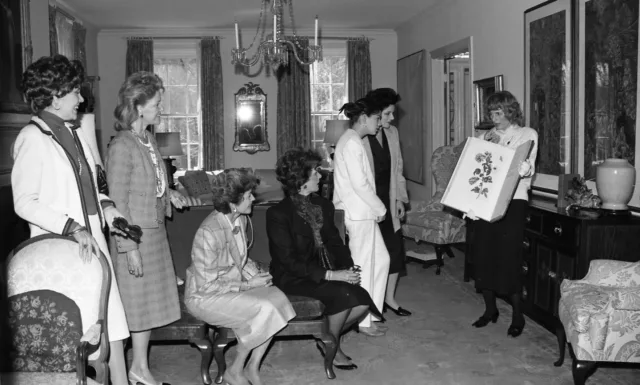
(607, 106)
(411, 86)
(548, 37)
(15, 53)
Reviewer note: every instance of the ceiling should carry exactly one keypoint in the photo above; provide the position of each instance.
(214, 14)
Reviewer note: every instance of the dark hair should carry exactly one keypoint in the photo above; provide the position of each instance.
(50, 76)
(229, 187)
(384, 97)
(293, 169)
(505, 101)
(136, 91)
(366, 106)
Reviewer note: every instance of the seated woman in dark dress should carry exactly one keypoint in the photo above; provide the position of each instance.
(308, 256)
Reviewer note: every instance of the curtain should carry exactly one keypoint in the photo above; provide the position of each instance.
(79, 37)
(294, 103)
(53, 32)
(212, 104)
(139, 55)
(359, 68)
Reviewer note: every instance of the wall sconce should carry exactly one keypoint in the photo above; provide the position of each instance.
(169, 145)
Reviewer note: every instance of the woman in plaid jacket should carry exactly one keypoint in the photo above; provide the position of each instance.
(137, 182)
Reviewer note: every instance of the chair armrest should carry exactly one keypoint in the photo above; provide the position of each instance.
(606, 272)
(424, 206)
(627, 298)
(88, 344)
(92, 335)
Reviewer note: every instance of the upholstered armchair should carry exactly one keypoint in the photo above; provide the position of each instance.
(57, 313)
(431, 221)
(600, 315)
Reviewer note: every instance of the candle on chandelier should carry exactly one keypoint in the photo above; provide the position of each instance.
(237, 38)
(275, 22)
(315, 39)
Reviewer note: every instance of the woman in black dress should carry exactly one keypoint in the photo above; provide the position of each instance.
(383, 151)
(308, 256)
(497, 246)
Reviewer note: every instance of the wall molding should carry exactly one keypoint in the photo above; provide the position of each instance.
(181, 32)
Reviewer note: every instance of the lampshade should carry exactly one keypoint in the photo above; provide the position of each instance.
(169, 143)
(335, 129)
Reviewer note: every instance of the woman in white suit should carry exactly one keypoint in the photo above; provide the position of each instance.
(355, 193)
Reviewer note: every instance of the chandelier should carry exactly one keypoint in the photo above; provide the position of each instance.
(273, 47)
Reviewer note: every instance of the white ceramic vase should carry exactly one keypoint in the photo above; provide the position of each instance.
(615, 181)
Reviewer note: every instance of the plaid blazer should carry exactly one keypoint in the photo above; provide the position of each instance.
(131, 177)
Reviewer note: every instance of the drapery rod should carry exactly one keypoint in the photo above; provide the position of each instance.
(362, 38)
(174, 37)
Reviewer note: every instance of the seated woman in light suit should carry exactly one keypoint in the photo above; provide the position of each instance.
(227, 289)
(355, 193)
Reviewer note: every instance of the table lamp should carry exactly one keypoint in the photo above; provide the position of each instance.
(169, 145)
(334, 130)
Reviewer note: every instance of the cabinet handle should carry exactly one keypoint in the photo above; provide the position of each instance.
(525, 269)
(557, 230)
(526, 244)
(552, 274)
(528, 219)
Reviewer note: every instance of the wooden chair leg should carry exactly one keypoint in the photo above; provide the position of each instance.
(203, 343)
(562, 343)
(219, 344)
(330, 353)
(447, 249)
(581, 370)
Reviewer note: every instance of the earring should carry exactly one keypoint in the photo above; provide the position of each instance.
(234, 209)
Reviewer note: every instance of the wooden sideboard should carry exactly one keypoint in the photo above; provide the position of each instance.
(558, 246)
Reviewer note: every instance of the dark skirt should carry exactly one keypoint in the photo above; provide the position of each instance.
(336, 296)
(497, 251)
(393, 241)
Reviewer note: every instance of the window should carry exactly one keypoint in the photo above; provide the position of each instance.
(176, 62)
(328, 91)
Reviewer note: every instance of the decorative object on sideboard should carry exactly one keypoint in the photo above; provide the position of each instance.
(273, 48)
(484, 88)
(615, 182)
(333, 132)
(565, 181)
(169, 145)
(582, 202)
(251, 120)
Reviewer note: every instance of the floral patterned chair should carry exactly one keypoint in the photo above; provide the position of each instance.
(601, 316)
(431, 221)
(57, 309)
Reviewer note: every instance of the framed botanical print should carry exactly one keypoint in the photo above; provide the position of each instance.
(548, 87)
(607, 106)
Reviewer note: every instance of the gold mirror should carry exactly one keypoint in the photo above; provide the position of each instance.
(251, 122)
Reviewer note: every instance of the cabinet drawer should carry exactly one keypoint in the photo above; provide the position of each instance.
(561, 229)
(534, 221)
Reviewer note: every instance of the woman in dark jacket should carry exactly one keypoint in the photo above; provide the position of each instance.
(308, 255)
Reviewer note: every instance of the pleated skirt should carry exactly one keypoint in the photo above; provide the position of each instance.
(150, 301)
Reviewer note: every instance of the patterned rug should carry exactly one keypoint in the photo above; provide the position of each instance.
(436, 345)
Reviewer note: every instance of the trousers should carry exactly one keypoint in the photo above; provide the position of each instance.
(370, 253)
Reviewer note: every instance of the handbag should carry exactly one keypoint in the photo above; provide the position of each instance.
(103, 188)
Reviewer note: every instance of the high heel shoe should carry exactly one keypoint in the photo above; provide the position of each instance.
(484, 320)
(399, 311)
(515, 330)
(350, 366)
(135, 379)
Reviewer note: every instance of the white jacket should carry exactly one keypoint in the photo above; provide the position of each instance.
(354, 184)
(45, 189)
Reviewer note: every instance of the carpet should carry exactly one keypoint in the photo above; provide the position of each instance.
(436, 345)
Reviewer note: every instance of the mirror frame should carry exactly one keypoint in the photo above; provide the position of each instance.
(481, 90)
(23, 57)
(252, 92)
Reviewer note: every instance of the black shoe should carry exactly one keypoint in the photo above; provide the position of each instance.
(399, 311)
(484, 320)
(350, 366)
(515, 330)
(321, 347)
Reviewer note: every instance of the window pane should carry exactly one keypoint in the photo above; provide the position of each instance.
(323, 71)
(339, 69)
(339, 96)
(321, 98)
(192, 102)
(178, 100)
(192, 72)
(194, 153)
(181, 161)
(177, 73)
(192, 126)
